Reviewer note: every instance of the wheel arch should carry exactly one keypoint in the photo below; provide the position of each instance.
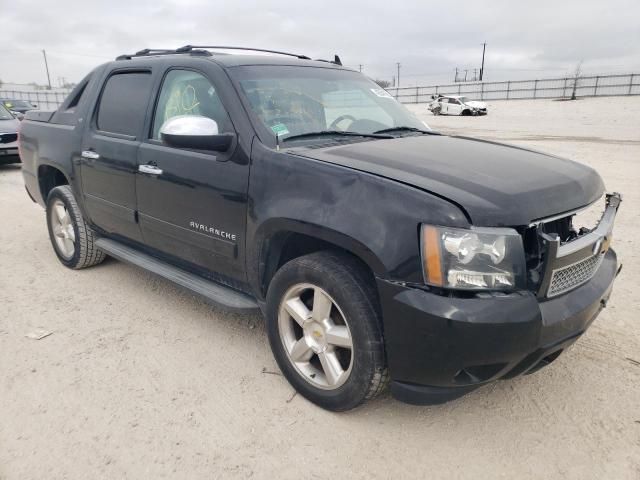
(281, 240)
(49, 177)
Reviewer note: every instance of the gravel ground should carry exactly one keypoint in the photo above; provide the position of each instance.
(142, 380)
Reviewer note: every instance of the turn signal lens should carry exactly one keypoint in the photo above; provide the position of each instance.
(431, 255)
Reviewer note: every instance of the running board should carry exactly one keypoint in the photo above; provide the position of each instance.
(217, 294)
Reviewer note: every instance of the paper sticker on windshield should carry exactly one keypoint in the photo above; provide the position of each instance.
(381, 92)
(280, 129)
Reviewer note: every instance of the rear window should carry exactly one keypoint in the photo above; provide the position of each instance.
(123, 103)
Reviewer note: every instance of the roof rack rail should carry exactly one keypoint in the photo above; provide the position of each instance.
(148, 52)
(336, 60)
(190, 48)
(200, 50)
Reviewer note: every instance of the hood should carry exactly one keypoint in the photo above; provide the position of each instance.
(475, 104)
(9, 126)
(495, 184)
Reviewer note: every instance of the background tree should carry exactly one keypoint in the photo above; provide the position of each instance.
(576, 77)
(383, 83)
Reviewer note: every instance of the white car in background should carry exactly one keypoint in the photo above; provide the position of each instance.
(456, 105)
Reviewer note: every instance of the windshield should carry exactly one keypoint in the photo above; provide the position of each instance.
(4, 113)
(290, 101)
(464, 99)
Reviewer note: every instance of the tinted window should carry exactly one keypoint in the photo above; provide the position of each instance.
(77, 93)
(189, 93)
(123, 103)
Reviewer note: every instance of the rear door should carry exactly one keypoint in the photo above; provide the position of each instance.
(108, 162)
(193, 204)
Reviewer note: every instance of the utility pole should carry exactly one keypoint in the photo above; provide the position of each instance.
(465, 74)
(484, 47)
(456, 77)
(46, 66)
(475, 74)
(360, 67)
(398, 65)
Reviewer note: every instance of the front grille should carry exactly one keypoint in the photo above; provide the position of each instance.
(566, 278)
(8, 137)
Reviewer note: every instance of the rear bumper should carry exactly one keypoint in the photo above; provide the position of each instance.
(439, 348)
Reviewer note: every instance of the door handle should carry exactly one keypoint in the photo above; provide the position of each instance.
(150, 169)
(90, 155)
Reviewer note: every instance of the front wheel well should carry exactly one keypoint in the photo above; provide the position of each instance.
(48, 178)
(286, 246)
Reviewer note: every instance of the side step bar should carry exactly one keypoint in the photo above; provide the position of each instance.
(217, 294)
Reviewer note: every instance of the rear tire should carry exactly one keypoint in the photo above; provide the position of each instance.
(71, 238)
(334, 359)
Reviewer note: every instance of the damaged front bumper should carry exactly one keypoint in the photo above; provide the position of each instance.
(442, 347)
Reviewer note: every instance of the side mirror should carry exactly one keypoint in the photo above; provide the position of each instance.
(196, 132)
(34, 105)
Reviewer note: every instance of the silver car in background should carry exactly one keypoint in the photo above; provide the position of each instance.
(9, 125)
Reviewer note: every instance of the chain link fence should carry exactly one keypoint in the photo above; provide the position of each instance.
(44, 99)
(585, 86)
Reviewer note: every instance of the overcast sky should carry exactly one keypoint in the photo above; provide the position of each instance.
(525, 39)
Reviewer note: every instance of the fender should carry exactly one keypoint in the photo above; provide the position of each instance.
(273, 233)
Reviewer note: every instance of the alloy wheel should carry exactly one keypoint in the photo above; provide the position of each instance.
(316, 336)
(62, 228)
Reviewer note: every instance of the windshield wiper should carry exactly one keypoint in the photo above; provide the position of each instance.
(327, 133)
(406, 129)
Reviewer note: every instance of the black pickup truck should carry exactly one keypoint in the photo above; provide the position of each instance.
(377, 249)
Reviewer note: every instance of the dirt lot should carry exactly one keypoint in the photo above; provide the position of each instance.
(142, 380)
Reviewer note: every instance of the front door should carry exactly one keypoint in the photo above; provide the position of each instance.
(108, 161)
(454, 107)
(192, 204)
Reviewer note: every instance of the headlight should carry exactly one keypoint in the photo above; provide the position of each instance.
(473, 259)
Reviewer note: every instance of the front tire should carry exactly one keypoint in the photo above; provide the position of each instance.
(324, 327)
(71, 238)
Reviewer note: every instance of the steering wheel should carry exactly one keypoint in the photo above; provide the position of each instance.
(334, 124)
